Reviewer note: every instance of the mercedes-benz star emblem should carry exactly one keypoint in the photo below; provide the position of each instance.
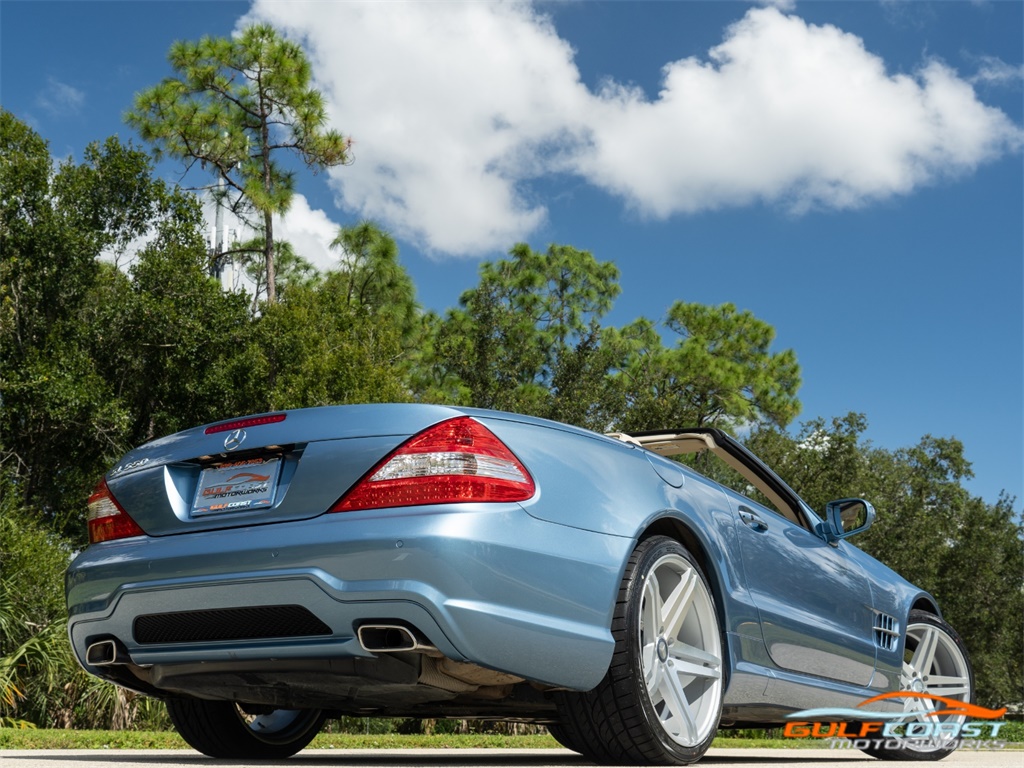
(234, 439)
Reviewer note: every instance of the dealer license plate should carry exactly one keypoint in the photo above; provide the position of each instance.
(237, 486)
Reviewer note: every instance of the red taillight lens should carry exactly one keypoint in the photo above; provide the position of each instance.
(107, 520)
(458, 460)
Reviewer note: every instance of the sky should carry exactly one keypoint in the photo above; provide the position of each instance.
(850, 172)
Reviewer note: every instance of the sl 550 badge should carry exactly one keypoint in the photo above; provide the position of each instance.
(129, 466)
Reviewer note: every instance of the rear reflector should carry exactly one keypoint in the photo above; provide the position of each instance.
(252, 421)
(458, 460)
(106, 519)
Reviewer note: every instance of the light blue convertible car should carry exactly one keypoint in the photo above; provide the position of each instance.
(264, 573)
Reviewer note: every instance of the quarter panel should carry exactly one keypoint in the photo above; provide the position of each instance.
(609, 486)
(583, 480)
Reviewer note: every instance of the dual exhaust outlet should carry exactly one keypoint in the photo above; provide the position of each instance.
(391, 638)
(106, 653)
(376, 638)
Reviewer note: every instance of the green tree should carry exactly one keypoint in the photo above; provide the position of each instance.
(41, 684)
(314, 348)
(921, 487)
(721, 372)
(34, 658)
(53, 225)
(94, 361)
(528, 337)
(172, 346)
(289, 268)
(349, 334)
(60, 424)
(825, 460)
(371, 279)
(233, 106)
(980, 582)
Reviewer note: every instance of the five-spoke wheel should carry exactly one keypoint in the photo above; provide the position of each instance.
(681, 650)
(661, 699)
(935, 663)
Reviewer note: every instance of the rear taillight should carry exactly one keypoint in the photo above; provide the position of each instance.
(107, 520)
(458, 460)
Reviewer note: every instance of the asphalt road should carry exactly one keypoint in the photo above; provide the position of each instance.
(468, 758)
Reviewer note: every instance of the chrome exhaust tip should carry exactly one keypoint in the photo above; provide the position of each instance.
(390, 638)
(106, 653)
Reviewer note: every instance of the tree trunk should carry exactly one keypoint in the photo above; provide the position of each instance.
(268, 216)
(269, 256)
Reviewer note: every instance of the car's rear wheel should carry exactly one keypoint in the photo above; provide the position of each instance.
(661, 699)
(564, 736)
(935, 662)
(223, 729)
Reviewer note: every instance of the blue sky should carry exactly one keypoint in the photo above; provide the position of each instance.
(850, 172)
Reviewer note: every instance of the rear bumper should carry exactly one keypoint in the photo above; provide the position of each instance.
(487, 584)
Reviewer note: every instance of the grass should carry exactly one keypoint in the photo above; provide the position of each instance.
(12, 738)
(45, 738)
(16, 738)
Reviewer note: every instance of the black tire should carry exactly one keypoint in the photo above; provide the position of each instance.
(221, 729)
(619, 722)
(564, 737)
(950, 657)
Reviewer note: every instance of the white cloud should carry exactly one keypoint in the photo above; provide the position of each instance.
(994, 71)
(789, 112)
(309, 230)
(456, 107)
(60, 99)
(450, 105)
(782, 5)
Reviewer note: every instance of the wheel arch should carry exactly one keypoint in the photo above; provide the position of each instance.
(925, 602)
(679, 530)
(676, 529)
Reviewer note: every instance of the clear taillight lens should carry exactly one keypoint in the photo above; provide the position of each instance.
(458, 460)
(106, 519)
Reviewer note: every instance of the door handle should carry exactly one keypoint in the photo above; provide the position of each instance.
(754, 520)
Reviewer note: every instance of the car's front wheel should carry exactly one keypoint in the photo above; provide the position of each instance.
(660, 702)
(223, 729)
(935, 663)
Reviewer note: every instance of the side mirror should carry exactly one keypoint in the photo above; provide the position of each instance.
(848, 517)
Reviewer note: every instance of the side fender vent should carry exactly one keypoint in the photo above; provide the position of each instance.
(887, 632)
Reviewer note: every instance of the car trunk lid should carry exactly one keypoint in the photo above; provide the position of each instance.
(290, 465)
